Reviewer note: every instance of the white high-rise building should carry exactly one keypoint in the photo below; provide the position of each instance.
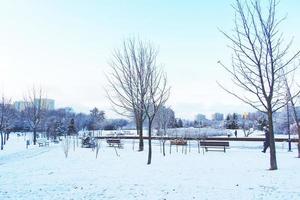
(217, 116)
(48, 104)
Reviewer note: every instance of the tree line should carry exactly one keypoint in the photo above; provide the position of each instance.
(37, 118)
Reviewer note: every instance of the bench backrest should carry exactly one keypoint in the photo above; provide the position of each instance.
(214, 143)
(178, 142)
(116, 141)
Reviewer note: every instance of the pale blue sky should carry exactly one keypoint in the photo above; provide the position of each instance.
(65, 46)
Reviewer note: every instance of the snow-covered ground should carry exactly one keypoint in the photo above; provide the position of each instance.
(240, 173)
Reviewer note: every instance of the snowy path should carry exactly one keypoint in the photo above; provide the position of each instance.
(44, 173)
(17, 156)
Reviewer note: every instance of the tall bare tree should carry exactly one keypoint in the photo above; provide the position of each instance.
(6, 119)
(128, 81)
(293, 108)
(34, 109)
(157, 94)
(258, 60)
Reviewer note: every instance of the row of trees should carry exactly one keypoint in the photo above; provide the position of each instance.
(36, 117)
(6, 120)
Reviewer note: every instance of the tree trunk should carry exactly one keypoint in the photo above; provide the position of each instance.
(1, 140)
(164, 140)
(149, 141)
(273, 162)
(34, 136)
(298, 149)
(48, 135)
(4, 139)
(140, 133)
(164, 149)
(298, 130)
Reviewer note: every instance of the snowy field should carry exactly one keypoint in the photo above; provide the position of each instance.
(240, 173)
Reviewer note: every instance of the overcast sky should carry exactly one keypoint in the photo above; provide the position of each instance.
(65, 47)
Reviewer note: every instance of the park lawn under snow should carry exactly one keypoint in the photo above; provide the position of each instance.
(240, 173)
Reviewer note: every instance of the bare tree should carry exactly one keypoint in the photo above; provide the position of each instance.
(96, 119)
(293, 107)
(258, 60)
(128, 81)
(247, 127)
(162, 121)
(157, 94)
(34, 109)
(6, 118)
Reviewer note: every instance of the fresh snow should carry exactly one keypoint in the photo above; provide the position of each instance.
(240, 173)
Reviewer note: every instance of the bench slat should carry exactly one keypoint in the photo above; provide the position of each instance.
(214, 144)
(113, 141)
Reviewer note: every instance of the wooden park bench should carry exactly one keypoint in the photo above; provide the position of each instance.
(42, 142)
(114, 142)
(214, 145)
(178, 142)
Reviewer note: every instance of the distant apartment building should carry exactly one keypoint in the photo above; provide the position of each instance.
(20, 105)
(47, 104)
(200, 118)
(217, 117)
